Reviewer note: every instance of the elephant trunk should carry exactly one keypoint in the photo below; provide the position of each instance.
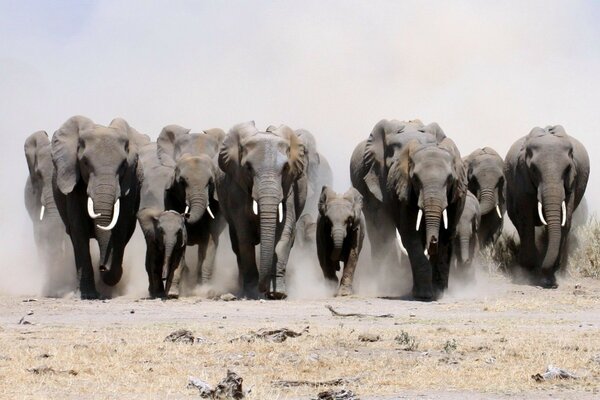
(269, 205)
(433, 214)
(487, 201)
(552, 210)
(48, 206)
(338, 235)
(198, 201)
(465, 244)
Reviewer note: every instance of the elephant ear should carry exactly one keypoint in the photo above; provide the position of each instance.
(355, 198)
(65, 145)
(374, 159)
(135, 141)
(218, 135)
(297, 157)
(399, 179)
(436, 131)
(33, 143)
(148, 217)
(326, 194)
(166, 143)
(459, 189)
(230, 154)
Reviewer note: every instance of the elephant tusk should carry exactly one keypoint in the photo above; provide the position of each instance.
(210, 212)
(426, 253)
(90, 209)
(280, 212)
(114, 219)
(254, 207)
(399, 239)
(564, 214)
(541, 213)
(498, 211)
(187, 208)
(445, 217)
(419, 215)
(43, 209)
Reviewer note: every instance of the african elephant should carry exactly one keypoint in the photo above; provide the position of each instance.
(192, 191)
(262, 196)
(340, 234)
(485, 173)
(96, 187)
(466, 242)
(166, 238)
(318, 172)
(48, 228)
(546, 175)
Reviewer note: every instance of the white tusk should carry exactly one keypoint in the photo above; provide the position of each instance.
(42, 213)
(445, 217)
(426, 253)
(187, 208)
(183, 243)
(210, 212)
(399, 239)
(498, 211)
(127, 192)
(114, 219)
(254, 207)
(419, 215)
(564, 214)
(280, 211)
(90, 207)
(541, 214)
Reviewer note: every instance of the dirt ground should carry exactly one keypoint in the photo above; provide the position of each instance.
(470, 344)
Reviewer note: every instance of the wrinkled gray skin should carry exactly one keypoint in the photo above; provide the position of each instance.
(340, 234)
(485, 173)
(166, 239)
(194, 187)
(48, 229)
(265, 172)
(98, 163)
(318, 172)
(306, 233)
(404, 167)
(164, 232)
(466, 242)
(546, 167)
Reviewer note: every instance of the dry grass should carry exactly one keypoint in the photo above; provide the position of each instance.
(585, 256)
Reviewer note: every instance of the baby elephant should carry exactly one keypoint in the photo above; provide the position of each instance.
(166, 239)
(340, 234)
(466, 242)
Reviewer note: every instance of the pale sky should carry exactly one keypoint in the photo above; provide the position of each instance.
(486, 71)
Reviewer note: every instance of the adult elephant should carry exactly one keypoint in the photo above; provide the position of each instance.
(369, 170)
(546, 175)
(485, 174)
(263, 194)
(96, 187)
(193, 190)
(318, 172)
(48, 228)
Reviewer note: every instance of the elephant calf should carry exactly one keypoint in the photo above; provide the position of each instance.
(340, 234)
(166, 239)
(466, 243)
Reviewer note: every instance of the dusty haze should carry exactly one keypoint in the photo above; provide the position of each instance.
(487, 73)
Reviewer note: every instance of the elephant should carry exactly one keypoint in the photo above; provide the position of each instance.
(96, 187)
(466, 242)
(318, 172)
(192, 191)
(166, 238)
(48, 228)
(262, 196)
(485, 174)
(546, 176)
(340, 234)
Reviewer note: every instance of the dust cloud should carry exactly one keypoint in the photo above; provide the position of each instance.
(486, 72)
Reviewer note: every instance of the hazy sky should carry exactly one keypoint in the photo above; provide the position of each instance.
(487, 72)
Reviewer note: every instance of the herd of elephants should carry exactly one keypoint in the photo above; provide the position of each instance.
(412, 193)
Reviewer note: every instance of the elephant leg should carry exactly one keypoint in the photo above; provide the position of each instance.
(529, 257)
(150, 266)
(382, 233)
(345, 288)
(208, 262)
(246, 261)
(83, 261)
(441, 268)
(188, 277)
(420, 265)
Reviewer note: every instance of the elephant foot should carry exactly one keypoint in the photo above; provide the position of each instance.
(548, 281)
(423, 294)
(91, 295)
(278, 291)
(345, 290)
(276, 295)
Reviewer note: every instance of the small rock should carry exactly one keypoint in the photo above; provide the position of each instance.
(343, 394)
(369, 337)
(30, 312)
(132, 312)
(181, 336)
(228, 297)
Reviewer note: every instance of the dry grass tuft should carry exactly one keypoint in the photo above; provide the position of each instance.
(502, 256)
(584, 259)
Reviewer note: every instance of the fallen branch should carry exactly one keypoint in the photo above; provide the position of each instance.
(333, 382)
(359, 315)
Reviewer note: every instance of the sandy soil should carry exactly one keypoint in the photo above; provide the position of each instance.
(472, 344)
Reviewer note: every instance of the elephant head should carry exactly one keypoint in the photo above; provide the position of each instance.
(192, 156)
(485, 174)
(265, 165)
(103, 160)
(342, 215)
(39, 162)
(430, 176)
(165, 230)
(547, 159)
(467, 228)
(384, 146)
